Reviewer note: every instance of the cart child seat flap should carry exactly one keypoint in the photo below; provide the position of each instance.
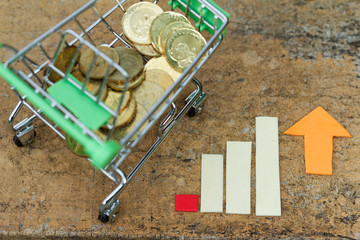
(100, 154)
(92, 115)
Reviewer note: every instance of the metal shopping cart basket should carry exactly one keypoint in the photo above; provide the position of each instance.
(61, 106)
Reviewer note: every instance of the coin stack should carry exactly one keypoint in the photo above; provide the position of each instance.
(80, 68)
(136, 24)
(154, 33)
(167, 37)
(130, 111)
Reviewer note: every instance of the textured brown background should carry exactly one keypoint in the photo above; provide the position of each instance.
(281, 58)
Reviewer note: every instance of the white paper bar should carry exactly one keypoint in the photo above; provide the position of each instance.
(212, 169)
(238, 176)
(268, 202)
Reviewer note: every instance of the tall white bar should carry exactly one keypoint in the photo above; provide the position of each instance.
(238, 177)
(268, 201)
(212, 169)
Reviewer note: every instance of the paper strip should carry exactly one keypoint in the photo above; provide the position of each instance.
(238, 176)
(268, 202)
(211, 183)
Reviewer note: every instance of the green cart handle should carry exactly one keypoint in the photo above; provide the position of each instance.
(100, 154)
(208, 16)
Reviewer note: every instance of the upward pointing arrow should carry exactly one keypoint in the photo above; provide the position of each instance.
(318, 129)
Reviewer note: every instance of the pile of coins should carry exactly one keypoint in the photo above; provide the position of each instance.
(154, 32)
(167, 37)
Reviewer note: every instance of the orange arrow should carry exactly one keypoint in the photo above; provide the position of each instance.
(318, 129)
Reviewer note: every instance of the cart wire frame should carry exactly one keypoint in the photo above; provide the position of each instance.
(24, 130)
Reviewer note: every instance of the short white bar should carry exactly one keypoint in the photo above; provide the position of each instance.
(268, 201)
(212, 169)
(238, 177)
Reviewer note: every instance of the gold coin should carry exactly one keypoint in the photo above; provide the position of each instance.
(76, 148)
(168, 30)
(137, 20)
(161, 21)
(62, 62)
(93, 86)
(148, 94)
(104, 93)
(147, 50)
(118, 86)
(182, 47)
(101, 65)
(126, 114)
(127, 40)
(162, 64)
(113, 100)
(131, 61)
(160, 77)
(119, 133)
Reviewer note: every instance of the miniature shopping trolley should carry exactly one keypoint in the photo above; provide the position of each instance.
(69, 109)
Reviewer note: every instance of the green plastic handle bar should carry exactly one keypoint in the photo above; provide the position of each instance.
(100, 154)
(208, 16)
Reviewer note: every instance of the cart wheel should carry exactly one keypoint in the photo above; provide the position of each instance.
(103, 218)
(109, 212)
(18, 142)
(191, 112)
(198, 105)
(194, 111)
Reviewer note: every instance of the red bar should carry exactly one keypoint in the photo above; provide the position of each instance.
(186, 203)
